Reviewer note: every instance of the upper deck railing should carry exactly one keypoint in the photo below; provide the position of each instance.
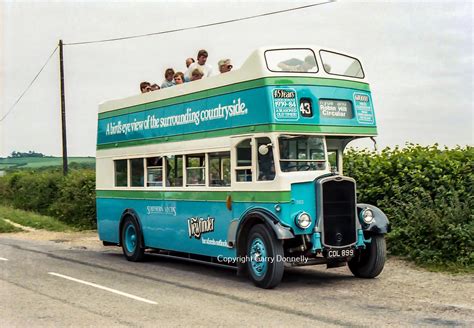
(276, 89)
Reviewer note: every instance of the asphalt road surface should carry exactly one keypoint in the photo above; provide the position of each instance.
(45, 283)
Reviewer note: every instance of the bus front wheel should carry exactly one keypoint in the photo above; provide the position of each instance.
(371, 260)
(264, 257)
(131, 240)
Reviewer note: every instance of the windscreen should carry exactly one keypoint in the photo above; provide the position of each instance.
(291, 60)
(339, 64)
(302, 153)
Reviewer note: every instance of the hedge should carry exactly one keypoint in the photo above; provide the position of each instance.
(70, 199)
(426, 192)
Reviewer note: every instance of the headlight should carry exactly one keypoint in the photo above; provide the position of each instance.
(303, 220)
(367, 215)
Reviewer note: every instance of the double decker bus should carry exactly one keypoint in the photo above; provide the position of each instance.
(243, 168)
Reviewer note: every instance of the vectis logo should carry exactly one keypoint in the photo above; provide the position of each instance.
(199, 226)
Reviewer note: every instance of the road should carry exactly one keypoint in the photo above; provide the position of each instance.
(50, 283)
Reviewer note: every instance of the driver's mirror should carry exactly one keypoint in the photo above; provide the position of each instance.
(264, 149)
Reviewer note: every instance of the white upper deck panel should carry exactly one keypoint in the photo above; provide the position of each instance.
(254, 67)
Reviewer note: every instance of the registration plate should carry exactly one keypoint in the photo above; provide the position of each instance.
(335, 253)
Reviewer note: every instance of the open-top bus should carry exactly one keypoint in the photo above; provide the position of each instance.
(243, 168)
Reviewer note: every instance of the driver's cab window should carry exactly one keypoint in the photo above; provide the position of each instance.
(333, 160)
(266, 164)
(243, 171)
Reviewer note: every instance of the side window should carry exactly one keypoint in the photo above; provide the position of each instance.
(196, 170)
(266, 163)
(121, 173)
(333, 159)
(137, 172)
(243, 170)
(174, 171)
(219, 169)
(154, 169)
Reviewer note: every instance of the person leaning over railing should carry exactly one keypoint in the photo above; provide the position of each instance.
(168, 82)
(178, 78)
(225, 65)
(145, 87)
(196, 74)
(206, 69)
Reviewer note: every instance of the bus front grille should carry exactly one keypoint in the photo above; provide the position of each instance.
(339, 212)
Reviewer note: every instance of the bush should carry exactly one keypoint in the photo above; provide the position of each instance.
(427, 193)
(75, 203)
(70, 199)
(32, 191)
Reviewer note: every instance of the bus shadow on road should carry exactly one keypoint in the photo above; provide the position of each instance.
(317, 276)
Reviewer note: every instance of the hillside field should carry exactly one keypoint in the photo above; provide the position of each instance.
(37, 162)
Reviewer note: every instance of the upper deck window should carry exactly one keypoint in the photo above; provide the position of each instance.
(291, 60)
(339, 64)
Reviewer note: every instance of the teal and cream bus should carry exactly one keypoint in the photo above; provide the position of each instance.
(243, 168)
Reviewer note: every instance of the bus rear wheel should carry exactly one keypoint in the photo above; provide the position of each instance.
(370, 262)
(265, 257)
(132, 240)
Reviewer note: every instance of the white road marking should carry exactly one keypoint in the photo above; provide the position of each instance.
(103, 288)
(3, 259)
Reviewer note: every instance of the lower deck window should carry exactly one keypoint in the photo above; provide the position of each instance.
(243, 171)
(137, 172)
(219, 169)
(174, 171)
(121, 173)
(196, 170)
(154, 169)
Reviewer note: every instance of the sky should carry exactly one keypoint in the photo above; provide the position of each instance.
(418, 57)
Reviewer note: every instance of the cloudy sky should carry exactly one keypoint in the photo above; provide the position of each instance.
(417, 55)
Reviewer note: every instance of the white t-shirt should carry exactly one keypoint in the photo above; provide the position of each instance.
(206, 69)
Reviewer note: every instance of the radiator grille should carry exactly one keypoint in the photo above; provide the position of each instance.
(339, 213)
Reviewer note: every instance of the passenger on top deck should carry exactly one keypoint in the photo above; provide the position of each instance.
(189, 61)
(145, 87)
(225, 65)
(168, 82)
(178, 78)
(196, 74)
(154, 87)
(201, 64)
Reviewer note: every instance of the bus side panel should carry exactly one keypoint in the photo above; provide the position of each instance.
(197, 227)
(109, 212)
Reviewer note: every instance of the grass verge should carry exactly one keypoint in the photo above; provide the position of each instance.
(33, 220)
(7, 227)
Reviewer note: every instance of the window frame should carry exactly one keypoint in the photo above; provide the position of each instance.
(292, 72)
(250, 167)
(338, 53)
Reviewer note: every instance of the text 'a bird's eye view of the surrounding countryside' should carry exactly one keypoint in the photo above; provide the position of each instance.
(247, 163)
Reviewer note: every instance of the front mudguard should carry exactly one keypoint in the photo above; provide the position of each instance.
(380, 225)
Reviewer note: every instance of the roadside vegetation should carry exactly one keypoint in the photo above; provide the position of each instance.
(69, 199)
(427, 193)
(30, 219)
(7, 227)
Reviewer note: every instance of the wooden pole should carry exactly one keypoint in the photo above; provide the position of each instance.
(63, 108)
